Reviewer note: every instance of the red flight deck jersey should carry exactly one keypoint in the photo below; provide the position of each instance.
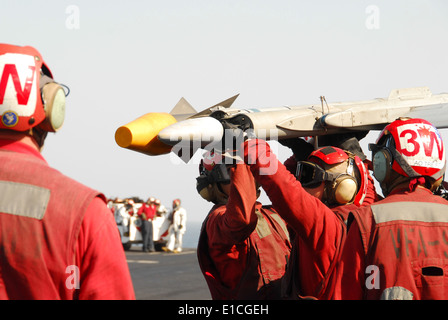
(58, 239)
(319, 231)
(397, 249)
(148, 210)
(244, 246)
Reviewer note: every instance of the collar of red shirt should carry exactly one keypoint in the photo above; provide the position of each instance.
(406, 190)
(20, 147)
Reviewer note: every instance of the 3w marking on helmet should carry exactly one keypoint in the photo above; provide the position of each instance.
(410, 140)
(428, 137)
(23, 95)
(421, 138)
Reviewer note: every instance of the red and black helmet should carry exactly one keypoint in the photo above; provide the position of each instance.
(344, 173)
(214, 168)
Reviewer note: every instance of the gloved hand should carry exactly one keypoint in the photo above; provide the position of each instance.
(233, 138)
(258, 155)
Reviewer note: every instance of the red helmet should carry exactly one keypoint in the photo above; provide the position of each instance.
(328, 155)
(211, 159)
(176, 203)
(348, 185)
(214, 168)
(28, 94)
(412, 148)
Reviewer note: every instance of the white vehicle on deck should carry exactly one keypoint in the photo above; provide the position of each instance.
(129, 227)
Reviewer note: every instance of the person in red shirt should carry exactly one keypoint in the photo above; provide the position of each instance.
(146, 213)
(397, 248)
(57, 237)
(332, 182)
(244, 246)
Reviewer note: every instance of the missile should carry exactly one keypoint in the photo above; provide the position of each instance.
(193, 130)
(205, 127)
(141, 134)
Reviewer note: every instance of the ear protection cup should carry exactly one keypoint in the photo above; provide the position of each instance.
(203, 187)
(53, 97)
(344, 189)
(382, 162)
(53, 100)
(205, 193)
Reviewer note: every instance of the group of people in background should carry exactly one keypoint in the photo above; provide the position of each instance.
(147, 211)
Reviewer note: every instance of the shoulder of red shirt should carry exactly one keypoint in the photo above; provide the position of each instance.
(20, 147)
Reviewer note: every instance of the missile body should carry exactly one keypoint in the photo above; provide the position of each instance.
(284, 122)
(206, 130)
(141, 135)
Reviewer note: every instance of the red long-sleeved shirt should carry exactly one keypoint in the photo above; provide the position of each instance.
(321, 231)
(233, 228)
(99, 255)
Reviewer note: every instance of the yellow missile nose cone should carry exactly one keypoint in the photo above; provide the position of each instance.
(141, 134)
(123, 137)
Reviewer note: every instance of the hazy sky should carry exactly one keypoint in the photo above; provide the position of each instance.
(123, 59)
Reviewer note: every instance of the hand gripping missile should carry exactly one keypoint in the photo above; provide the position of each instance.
(161, 132)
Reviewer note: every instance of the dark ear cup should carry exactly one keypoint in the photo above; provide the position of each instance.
(205, 193)
(382, 161)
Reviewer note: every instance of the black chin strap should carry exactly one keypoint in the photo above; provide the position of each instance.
(403, 163)
(38, 135)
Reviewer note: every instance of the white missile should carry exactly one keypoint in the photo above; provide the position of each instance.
(205, 130)
(141, 134)
(184, 124)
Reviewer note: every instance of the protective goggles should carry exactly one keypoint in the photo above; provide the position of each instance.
(311, 175)
(218, 174)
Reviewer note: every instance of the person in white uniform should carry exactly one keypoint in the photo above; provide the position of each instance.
(178, 218)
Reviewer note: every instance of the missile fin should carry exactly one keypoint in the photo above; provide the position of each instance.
(185, 154)
(226, 104)
(410, 93)
(182, 110)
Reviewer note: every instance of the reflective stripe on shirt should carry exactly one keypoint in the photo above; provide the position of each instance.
(24, 200)
(410, 211)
